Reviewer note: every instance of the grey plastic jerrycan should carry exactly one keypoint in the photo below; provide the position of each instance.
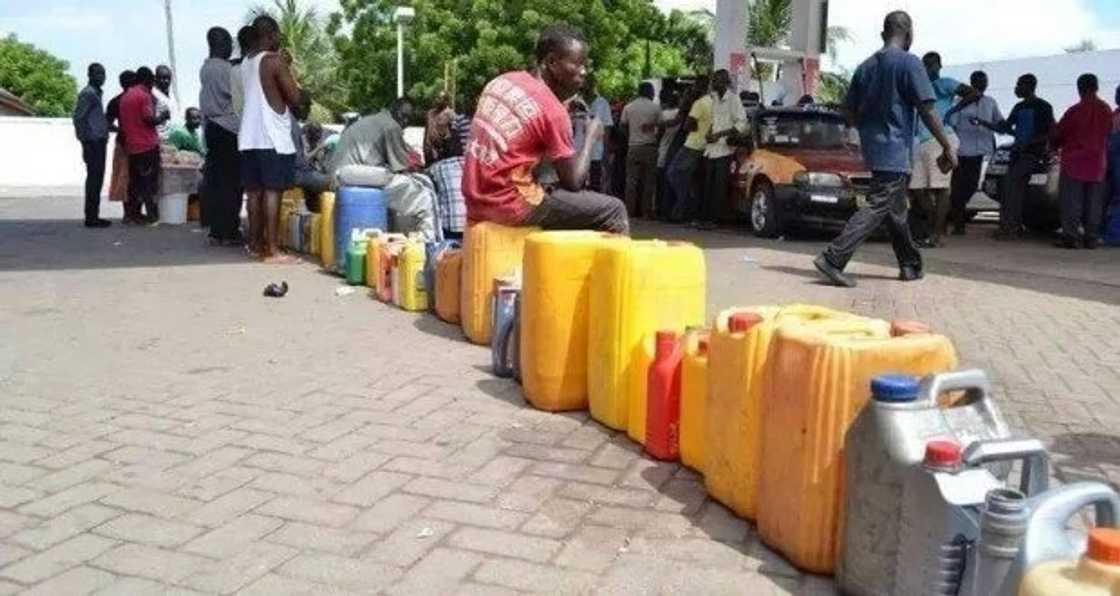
(888, 438)
(506, 292)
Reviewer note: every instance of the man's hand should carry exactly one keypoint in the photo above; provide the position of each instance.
(948, 161)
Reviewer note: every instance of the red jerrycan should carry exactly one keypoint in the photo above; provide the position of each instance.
(663, 403)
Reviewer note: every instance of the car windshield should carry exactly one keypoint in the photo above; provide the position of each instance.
(807, 130)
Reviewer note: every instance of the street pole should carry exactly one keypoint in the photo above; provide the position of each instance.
(400, 58)
(171, 49)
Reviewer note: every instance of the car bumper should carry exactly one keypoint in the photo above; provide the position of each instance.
(826, 207)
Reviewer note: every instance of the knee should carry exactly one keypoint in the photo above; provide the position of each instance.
(616, 219)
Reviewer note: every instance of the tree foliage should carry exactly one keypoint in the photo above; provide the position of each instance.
(487, 37)
(304, 34)
(38, 78)
(1085, 45)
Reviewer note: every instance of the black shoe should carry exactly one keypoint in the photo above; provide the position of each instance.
(98, 223)
(276, 290)
(834, 275)
(910, 274)
(1067, 244)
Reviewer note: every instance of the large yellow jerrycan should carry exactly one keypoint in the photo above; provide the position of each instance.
(316, 234)
(637, 289)
(736, 389)
(489, 251)
(326, 231)
(289, 206)
(694, 396)
(555, 316)
(408, 285)
(449, 265)
(818, 377)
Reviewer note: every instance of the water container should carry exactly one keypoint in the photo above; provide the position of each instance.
(409, 291)
(555, 316)
(315, 233)
(357, 208)
(736, 390)
(326, 231)
(663, 400)
(448, 275)
(889, 437)
(432, 252)
(310, 223)
(637, 289)
(387, 253)
(489, 251)
(694, 396)
(283, 223)
(356, 263)
(1096, 573)
(818, 379)
(294, 231)
(515, 339)
(506, 292)
(373, 256)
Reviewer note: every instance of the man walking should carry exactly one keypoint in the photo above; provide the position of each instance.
(682, 168)
(1082, 137)
(92, 130)
(1030, 121)
(886, 91)
(139, 119)
(221, 199)
(729, 120)
(265, 138)
(976, 144)
(639, 121)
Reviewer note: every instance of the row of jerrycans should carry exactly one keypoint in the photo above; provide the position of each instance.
(926, 517)
(391, 265)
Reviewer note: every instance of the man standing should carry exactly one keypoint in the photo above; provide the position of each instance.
(265, 137)
(600, 109)
(929, 185)
(165, 102)
(92, 130)
(668, 125)
(221, 198)
(1112, 211)
(507, 145)
(639, 122)
(729, 120)
(1030, 121)
(247, 47)
(1082, 137)
(976, 144)
(118, 182)
(682, 168)
(886, 91)
(139, 119)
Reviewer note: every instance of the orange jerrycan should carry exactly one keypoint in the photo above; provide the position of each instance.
(448, 269)
(694, 396)
(375, 245)
(326, 231)
(818, 378)
(637, 289)
(555, 316)
(736, 390)
(489, 251)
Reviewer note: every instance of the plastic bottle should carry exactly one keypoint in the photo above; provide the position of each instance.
(1094, 574)
(356, 263)
(663, 401)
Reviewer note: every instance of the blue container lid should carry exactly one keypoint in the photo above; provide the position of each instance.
(895, 388)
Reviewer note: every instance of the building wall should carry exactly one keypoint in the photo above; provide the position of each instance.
(40, 156)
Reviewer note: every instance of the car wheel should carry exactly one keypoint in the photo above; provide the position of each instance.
(765, 221)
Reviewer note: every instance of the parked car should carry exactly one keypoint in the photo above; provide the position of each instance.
(1041, 209)
(800, 169)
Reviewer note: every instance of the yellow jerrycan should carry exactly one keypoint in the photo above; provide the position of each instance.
(694, 396)
(489, 251)
(412, 295)
(326, 231)
(315, 233)
(818, 378)
(449, 267)
(555, 316)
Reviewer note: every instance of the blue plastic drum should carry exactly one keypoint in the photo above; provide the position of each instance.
(357, 208)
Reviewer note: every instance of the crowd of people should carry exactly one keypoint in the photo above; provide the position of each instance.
(543, 148)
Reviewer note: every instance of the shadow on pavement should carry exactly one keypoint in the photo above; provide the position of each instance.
(434, 326)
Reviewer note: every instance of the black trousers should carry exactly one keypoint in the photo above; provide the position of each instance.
(93, 153)
(966, 181)
(717, 180)
(223, 188)
(584, 210)
(885, 203)
(1082, 208)
(143, 184)
(1014, 190)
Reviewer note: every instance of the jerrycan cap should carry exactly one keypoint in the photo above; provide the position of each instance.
(741, 322)
(1104, 545)
(944, 455)
(895, 388)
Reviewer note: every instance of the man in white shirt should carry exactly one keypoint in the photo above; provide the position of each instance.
(165, 102)
(639, 123)
(600, 109)
(729, 120)
(977, 143)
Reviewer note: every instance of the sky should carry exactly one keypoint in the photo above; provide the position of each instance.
(127, 33)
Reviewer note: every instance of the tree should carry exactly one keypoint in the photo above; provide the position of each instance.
(304, 34)
(770, 21)
(37, 77)
(1085, 45)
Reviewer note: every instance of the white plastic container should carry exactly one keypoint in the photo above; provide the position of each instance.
(173, 209)
(1094, 574)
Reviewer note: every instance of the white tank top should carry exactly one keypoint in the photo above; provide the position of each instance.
(261, 126)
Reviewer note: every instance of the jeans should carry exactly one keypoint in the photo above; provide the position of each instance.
(223, 189)
(584, 210)
(681, 170)
(641, 180)
(1081, 205)
(886, 202)
(93, 153)
(1015, 186)
(717, 178)
(666, 198)
(966, 181)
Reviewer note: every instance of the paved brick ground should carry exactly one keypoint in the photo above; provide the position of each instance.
(164, 429)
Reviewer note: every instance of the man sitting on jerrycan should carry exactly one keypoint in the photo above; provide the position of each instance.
(521, 122)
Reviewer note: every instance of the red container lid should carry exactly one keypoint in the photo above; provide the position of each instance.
(666, 341)
(1104, 545)
(943, 454)
(741, 322)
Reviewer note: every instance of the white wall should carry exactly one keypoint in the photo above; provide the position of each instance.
(41, 155)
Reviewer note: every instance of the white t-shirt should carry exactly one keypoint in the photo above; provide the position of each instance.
(641, 117)
(165, 102)
(601, 110)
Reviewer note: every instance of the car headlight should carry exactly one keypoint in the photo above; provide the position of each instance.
(818, 179)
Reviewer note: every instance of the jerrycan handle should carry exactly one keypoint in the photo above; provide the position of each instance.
(1035, 476)
(1046, 538)
(973, 381)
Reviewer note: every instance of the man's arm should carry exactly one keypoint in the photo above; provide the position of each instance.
(152, 118)
(573, 171)
(397, 152)
(277, 68)
(81, 110)
(933, 123)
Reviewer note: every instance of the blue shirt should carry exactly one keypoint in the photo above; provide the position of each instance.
(944, 92)
(886, 91)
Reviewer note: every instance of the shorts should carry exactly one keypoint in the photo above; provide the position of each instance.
(265, 169)
(926, 173)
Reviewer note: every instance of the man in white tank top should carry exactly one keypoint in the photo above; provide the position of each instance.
(268, 153)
